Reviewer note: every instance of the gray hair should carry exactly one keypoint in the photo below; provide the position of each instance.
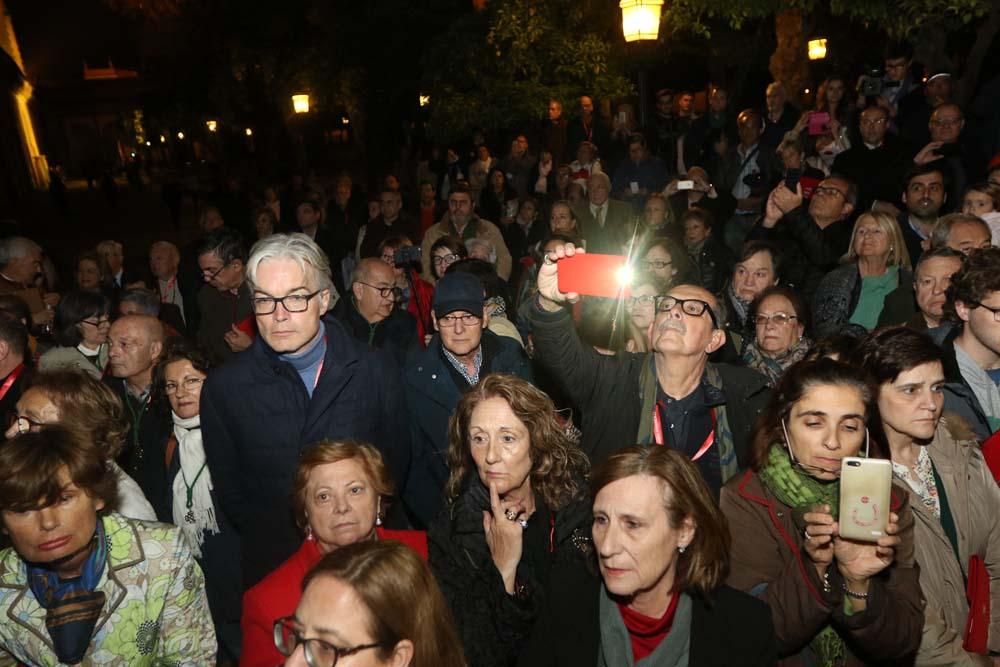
(601, 176)
(942, 228)
(491, 251)
(299, 248)
(16, 247)
(167, 245)
(147, 302)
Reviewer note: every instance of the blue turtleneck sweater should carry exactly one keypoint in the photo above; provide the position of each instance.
(307, 361)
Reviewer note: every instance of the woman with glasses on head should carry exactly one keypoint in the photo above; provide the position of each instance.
(445, 252)
(849, 299)
(372, 603)
(192, 504)
(83, 584)
(834, 601)
(82, 323)
(342, 492)
(91, 409)
(516, 506)
(780, 319)
(954, 497)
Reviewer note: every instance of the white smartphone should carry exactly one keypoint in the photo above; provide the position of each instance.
(865, 489)
(685, 185)
(634, 187)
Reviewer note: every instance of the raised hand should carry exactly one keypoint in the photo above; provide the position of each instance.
(548, 277)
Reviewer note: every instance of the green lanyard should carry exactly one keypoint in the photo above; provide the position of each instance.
(189, 503)
(136, 420)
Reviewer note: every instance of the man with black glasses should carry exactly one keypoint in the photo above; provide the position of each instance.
(371, 315)
(460, 353)
(672, 396)
(304, 379)
(225, 323)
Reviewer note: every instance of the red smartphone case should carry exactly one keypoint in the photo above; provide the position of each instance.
(592, 275)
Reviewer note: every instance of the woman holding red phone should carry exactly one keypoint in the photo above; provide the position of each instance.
(954, 498)
(833, 601)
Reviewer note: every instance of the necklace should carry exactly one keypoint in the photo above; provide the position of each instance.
(189, 503)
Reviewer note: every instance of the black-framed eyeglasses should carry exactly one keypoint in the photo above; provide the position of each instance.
(995, 311)
(318, 653)
(24, 424)
(293, 303)
(384, 292)
(189, 384)
(209, 277)
(691, 307)
(98, 322)
(827, 190)
(779, 319)
(657, 264)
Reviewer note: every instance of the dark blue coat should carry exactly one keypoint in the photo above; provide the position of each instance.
(432, 396)
(257, 417)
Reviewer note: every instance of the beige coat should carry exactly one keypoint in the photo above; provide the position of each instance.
(974, 499)
(482, 229)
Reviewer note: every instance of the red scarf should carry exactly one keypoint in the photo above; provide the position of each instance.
(646, 633)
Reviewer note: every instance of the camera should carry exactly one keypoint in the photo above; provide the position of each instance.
(407, 255)
(870, 85)
(754, 180)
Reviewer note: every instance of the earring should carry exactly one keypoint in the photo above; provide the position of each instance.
(681, 548)
(378, 514)
(309, 533)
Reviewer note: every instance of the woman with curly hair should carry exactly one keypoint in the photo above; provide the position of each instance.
(517, 504)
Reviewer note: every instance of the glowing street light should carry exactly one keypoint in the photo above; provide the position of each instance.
(300, 102)
(817, 48)
(180, 135)
(212, 125)
(640, 19)
(249, 132)
(163, 139)
(425, 101)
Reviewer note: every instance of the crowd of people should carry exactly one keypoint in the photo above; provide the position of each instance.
(340, 429)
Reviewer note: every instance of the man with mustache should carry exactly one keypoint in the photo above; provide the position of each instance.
(672, 396)
(924, 195)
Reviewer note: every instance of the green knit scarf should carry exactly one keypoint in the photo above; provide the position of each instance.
(801, 491)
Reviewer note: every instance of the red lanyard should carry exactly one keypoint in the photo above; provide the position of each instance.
(319, 370)
(658, 432)
(11, 379)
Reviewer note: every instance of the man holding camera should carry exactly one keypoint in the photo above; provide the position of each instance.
(750, 173)
(371, 316)
(461, 352)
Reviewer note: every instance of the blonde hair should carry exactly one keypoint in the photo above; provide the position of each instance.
(898, 254)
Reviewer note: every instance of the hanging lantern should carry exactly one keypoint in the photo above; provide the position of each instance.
(300, 102)
(212, 125)
(817, 48)
(640, 19)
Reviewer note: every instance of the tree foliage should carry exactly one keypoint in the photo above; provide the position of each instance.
(498, 68)
(898, 18)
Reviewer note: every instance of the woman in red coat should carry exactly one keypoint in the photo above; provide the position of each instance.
(341, 491)
(416, 292)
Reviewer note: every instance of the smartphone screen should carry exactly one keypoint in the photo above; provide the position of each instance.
(594, 275)
(792, 177)
(819, 123)
(865, 488)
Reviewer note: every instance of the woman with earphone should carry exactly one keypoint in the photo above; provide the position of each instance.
(834, 602)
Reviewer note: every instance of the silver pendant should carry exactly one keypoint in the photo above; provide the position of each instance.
(189, 517)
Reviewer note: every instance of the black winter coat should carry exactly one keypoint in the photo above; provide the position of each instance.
(728, 629)
(257, 417)
(606, 388)
(493, 625)
(431, 397)
(396, 334)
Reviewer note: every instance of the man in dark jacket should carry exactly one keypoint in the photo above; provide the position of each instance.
(305, 379)
(878, 163)
(672, 396)
(462, 352)
(811, 239)
(225, 322)
(370, 313)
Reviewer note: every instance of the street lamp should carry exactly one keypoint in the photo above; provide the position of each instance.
(180, 136)
(249, 132)
(300, 102)
(817, 48)
(212, 125)
(640, 19)
(641, 22)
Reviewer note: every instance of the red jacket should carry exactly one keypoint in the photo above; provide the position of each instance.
(424, 292)
(277, 595)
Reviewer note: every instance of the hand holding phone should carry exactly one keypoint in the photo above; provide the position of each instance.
(865, 488)
(819, 123)
(685, 185)
(594, 275)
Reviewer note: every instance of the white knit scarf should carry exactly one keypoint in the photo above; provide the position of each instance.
(192, 458)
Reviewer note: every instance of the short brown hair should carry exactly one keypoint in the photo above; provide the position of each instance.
(402, 597)
(30, 465)
(88, 407)
(332, 451)
(558, 467)
(704, 565)
(978, 277)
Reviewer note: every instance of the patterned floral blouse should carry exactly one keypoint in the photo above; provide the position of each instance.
(921, 479)
(156, 611)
